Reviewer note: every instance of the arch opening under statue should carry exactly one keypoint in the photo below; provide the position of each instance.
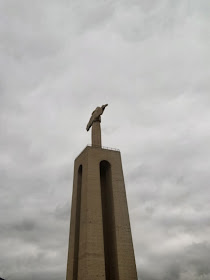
(77, 223)
(109, 231)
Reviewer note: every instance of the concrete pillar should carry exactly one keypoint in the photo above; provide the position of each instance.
(100, 241)
(96, 133)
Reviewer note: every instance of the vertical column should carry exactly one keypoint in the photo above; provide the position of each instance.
(94, 224)
(77, 224)
(96, 134)
(125, 251)
(73, 239)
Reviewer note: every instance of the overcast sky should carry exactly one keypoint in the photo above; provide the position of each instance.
(150, 61)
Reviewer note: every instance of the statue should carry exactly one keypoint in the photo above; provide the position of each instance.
(94, 121)
(96, 116)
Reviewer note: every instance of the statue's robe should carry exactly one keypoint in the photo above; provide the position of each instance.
(96, 116)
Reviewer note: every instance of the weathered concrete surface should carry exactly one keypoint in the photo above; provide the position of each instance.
(96, 116)
(96, 134)
(95, 122)
(90, 222)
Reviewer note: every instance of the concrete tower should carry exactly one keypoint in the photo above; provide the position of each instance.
(100, 241)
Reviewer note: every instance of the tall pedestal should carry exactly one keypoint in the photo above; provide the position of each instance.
(100, 242)
(96, 134)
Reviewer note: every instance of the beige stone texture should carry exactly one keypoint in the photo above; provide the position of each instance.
(96, 116)
(100, 241)
(96, 134)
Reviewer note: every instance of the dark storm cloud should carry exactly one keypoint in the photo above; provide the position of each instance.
(150, 61)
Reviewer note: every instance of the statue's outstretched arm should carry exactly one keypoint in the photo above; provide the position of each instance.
(104, 106)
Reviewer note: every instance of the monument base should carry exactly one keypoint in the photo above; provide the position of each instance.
(100, 241)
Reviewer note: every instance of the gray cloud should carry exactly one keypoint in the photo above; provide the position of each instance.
(150, 61)
(190, 263)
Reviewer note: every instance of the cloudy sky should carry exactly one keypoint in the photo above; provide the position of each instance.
(150, 60)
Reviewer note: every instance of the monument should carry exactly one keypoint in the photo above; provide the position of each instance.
(100, 241)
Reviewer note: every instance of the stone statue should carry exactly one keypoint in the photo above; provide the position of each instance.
(94, 121)
(96, 116)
